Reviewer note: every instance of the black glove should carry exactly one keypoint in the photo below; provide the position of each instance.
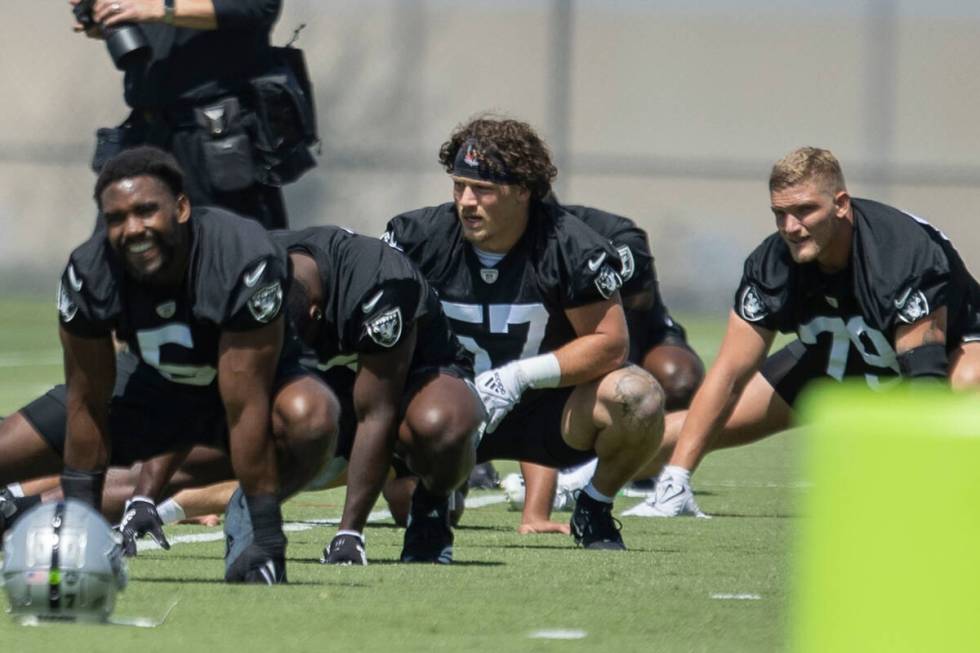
(140, 518)
(255, 565)
(345, 548)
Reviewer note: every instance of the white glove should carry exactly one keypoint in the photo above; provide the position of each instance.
(500, 389)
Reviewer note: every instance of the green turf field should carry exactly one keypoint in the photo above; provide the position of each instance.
(684, 585)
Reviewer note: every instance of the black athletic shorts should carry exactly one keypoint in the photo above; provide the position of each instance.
(651, 328)
(532, 432)
(791, 368)
(147, 417)
(340, 379)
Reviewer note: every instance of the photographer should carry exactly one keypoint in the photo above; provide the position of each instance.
(204, 83)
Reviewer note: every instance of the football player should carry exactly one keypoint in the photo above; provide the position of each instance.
(533, 293)
(196, 294)
(360, 304)
(870, 290)
(657, 343)
(356, 301)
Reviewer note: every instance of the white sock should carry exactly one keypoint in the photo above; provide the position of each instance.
(16, 489)
(676, 473)
(596, 494)
(356, 534)
(170, 511)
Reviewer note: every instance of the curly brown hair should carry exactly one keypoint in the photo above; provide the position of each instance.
(525, 156)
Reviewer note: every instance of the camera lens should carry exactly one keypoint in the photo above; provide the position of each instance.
(127, 45)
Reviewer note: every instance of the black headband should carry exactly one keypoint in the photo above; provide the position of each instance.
(474, 162)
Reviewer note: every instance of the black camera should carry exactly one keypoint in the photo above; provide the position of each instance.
(126, 42)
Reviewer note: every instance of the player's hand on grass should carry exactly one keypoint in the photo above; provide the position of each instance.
(140, 518)
(544, 526)
(257, 566)
(345, 549)
(500, 389)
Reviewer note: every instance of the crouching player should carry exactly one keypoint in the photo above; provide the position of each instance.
(355, 301)
(871, 292)
(196, 295)
(533, 293)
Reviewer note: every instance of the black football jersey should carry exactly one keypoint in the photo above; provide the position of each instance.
(516, 308)
(235, 281)
(373, 295)
(901, 269)
(631, 244)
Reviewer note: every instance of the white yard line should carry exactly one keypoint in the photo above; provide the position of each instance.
(737, 597)
(305, 525)
(558, 633)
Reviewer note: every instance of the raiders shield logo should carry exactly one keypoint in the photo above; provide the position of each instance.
(607, 281)
(66, 307)
(166, 310)
(489, 275)
(386, 329)
(472, 156)
(629, 266)
(265, 303)
(912, 306)
(750, 306)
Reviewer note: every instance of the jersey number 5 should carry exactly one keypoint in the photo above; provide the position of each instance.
(150, 341)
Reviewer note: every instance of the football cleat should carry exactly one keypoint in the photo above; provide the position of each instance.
(345, 549)
(428, 537)
(593, 525)
(672, 498)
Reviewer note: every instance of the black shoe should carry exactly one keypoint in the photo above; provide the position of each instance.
(484, 477)
(593, 525)
(429, 537)
(345, 549)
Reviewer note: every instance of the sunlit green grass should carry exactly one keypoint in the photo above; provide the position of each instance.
(684, 584)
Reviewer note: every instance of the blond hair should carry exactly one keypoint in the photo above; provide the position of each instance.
(807, 164)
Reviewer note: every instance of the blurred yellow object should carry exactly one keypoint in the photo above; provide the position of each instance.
(888, 549)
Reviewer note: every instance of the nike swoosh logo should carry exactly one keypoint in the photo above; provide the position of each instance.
(900, 302)
(369, 305)
(596, 262)
(75, 282)
(677, 493)
(253, 277)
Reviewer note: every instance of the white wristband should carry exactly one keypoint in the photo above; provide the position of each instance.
(170, 511)
(541, 371)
